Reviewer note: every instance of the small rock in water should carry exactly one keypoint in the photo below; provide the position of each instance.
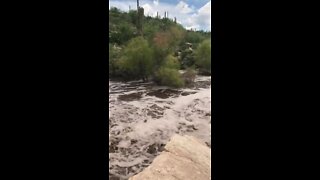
(164, 94)
(192, 127)
(130, 97)
(133, 141)
(152, 149)
(187, 93)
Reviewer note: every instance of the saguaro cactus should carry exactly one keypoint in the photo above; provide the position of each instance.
(140, 12)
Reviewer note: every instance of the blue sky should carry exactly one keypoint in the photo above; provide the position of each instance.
(189, 13)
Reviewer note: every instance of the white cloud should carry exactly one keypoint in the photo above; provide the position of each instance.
(186, 15)
(201, 19)
(183, 7)
(123, 5)
(155, 2)
(149, 10)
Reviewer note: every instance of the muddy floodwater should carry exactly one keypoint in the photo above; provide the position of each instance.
(142, 118)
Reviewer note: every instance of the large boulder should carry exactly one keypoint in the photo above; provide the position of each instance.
(184, 157)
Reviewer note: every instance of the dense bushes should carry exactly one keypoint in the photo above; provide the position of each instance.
(164, 48)
(138, 60)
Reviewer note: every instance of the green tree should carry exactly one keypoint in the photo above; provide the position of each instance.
(203, 57)
(165, 43)
(137, 61)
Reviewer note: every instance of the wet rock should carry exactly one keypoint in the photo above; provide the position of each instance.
(127, 129)
(133, 141)
(130, 97)
(182, 123)
(208, 144)
(113, 147)
(187, 93)
(192, 127)
(152, 149)
(166, 107)
(185, 158)
(156, 107)
(155, 111)
(154, 114)
(164, 93)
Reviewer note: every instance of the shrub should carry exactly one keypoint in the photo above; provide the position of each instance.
(171, 62)
(137, 60)
(169, 77)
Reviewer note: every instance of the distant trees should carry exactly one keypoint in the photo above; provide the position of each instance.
(193, 37)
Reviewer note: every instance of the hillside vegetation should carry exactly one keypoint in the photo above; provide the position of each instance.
(156, 50)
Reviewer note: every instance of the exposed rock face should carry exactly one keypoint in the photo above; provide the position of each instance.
(184, 158)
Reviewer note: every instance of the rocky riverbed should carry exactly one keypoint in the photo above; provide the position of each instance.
(143, 117)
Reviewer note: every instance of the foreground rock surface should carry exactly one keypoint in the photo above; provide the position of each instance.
(184, 158)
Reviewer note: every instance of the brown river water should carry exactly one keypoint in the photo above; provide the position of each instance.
(143, 117)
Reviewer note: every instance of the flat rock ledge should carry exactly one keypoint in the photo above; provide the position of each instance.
(184, 158)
